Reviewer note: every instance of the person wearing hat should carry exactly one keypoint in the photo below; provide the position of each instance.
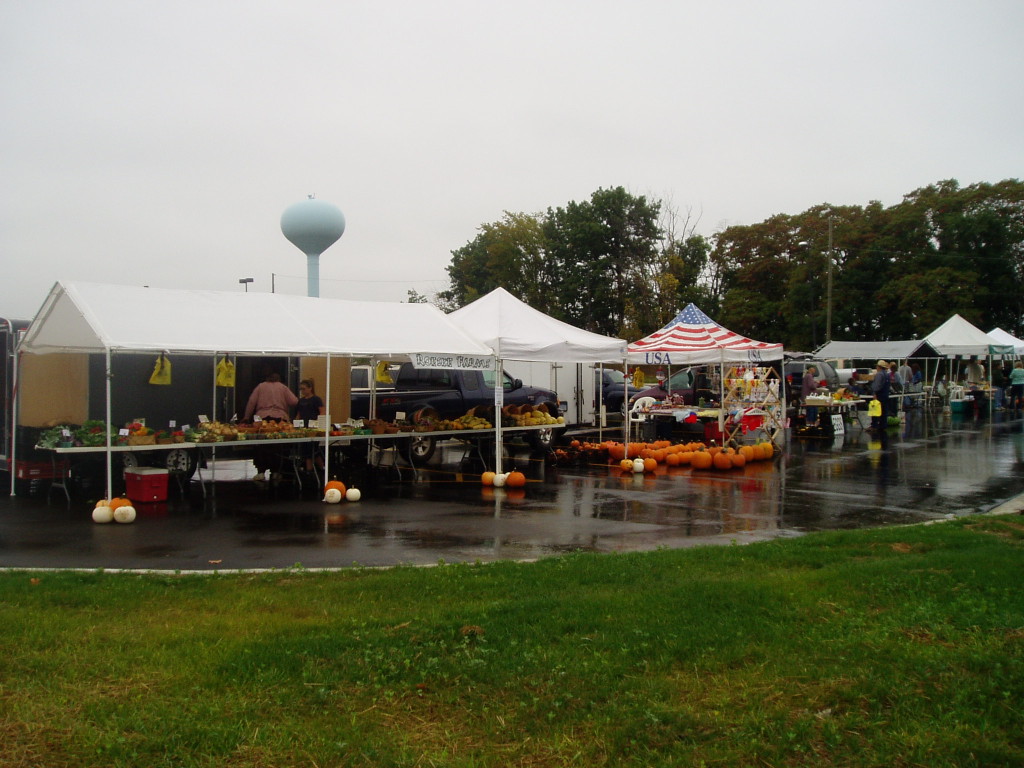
(880, 389)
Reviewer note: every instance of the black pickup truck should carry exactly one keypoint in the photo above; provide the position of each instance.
(451, 393)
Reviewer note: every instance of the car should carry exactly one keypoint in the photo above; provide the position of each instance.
(611, 387)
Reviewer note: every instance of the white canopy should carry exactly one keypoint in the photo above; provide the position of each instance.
(90, 317)
(999, 336)
(517, 331)
(873, 350)
(958, 337)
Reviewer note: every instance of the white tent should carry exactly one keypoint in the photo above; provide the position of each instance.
(999, 336)
(90, 317)
(517, 331)
(97, 318)
(957, 337)
(874, 350)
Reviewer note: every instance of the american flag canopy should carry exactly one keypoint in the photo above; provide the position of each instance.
(693, 338)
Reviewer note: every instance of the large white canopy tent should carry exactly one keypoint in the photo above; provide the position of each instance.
(958, 338)
(104, 319)
(517, 331)
(900, 349)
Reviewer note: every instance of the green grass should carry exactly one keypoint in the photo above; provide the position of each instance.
(890, 647)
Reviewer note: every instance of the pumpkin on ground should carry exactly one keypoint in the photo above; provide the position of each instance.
(722, 461)
(701, 460)
(124, 514)
(103, 513)
(739, 460)
(650, 464)
(626, 465)
(487, 478)
(515, 479)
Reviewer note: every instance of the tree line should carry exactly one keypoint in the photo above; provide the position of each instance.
(623, 265)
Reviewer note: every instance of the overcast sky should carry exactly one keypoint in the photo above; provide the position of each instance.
(158, 145)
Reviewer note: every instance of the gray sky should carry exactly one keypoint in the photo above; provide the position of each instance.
(158, 145)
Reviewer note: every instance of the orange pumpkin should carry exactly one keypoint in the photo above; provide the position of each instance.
(626, 465)
(701, 460)
(722, 461)
(340, 486)
(515, 479)
(748, 452)
(487, 478)
(769, 449)
(650, 464)
(738, 460)
(685, 457)
(119, 502)
(672, 459)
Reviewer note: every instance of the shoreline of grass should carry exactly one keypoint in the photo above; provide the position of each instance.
(888, 646)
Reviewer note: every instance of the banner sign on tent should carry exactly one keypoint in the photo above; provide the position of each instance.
(460, 362)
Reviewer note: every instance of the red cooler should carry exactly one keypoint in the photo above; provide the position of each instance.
(145, 484)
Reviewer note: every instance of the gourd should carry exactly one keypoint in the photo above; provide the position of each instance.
(125, 514)
(103, 513)
(353, 494)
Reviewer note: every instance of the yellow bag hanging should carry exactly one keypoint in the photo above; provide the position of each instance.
(875, 408)
(383, 374)
(638, 378)
(161, 371)
(225, 373)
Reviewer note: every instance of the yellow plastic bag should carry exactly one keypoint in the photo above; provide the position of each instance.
(225, 373)
(638, 378)
(382, 373)
(161, 371)
(875, 408)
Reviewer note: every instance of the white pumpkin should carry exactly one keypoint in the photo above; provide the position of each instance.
(353, 494)
(332, 495)
(103, 514)
(500, 478)
(124, 514)
(638, 465)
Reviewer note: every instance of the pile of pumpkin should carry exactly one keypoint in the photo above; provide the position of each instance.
(335, 491)
(645, 457)
(117, 509)
(513, 479)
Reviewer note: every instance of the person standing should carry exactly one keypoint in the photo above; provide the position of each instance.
(1017, 386)
(271, 400)
(808, 387)
(880, 389)
(310, 406)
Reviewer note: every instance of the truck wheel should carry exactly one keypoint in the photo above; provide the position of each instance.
(181, 460)
(421, 449)
(545, 439)
(130, 461)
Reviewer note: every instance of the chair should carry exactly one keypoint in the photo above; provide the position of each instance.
(637, 414)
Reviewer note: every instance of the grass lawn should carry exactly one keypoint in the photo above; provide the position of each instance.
(888, 647)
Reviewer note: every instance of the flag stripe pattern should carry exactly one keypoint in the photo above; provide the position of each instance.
(693, 331)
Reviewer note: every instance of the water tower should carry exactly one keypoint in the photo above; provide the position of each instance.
(313, 226)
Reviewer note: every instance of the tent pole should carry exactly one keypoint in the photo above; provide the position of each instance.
(327, 426)
(110, 453)
(499, 402)
(15, 372)
(625, 409)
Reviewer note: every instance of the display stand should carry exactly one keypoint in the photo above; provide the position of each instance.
(752, 405)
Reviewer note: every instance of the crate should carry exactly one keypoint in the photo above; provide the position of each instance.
(40, 470)
(146, 484)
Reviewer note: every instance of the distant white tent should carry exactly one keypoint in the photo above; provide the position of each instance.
(958, 338)
(1002, 337)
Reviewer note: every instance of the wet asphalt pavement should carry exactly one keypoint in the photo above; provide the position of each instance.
(934, 467)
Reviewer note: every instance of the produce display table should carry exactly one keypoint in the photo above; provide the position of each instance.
(189, 452)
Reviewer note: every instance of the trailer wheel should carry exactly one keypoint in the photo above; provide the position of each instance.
(129, 461)
(181, 460)
(421, 449)
(545, 439)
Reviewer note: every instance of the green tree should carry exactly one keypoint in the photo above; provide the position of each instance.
(510, 253)
(604, 262)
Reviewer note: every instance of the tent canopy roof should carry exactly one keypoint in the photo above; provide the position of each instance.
(692, 338)
(874, 350)
(958, 337)
(91, 317)
(517, 331)
(1001, 337)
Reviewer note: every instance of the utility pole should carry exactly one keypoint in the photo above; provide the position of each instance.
(828, 301)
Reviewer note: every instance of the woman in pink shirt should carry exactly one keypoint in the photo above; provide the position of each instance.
(271, 400)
